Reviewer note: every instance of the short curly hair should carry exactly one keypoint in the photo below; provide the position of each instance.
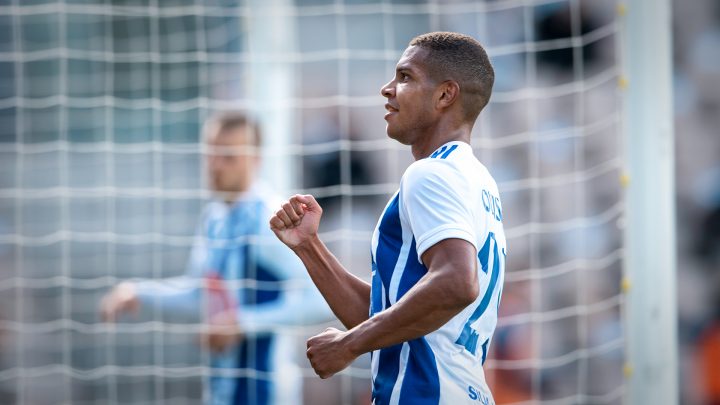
(461, 58)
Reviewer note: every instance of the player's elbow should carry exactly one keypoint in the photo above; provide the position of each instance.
(464, 291)
(468, 292)
(456, 282)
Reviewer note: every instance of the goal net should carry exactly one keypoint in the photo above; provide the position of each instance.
(101, 177)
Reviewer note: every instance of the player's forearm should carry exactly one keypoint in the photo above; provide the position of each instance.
(179, 295)
(425, 308)
(347, 295)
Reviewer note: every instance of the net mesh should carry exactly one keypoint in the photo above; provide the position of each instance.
(101, 104)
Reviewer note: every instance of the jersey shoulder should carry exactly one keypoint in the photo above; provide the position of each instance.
(451, 166)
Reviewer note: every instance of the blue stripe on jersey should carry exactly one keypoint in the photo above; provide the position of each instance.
(469, 337)
(386, 256)
(485, 350)
(388, 369)
(444, 151)
(421, 385)
(254, 354)
(414, 271)
(484, 253)
(376, 304)
(439, 151)
(389, 244)
(449, 151)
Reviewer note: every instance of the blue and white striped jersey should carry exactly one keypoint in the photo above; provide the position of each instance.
(264, 280)
(450, 194)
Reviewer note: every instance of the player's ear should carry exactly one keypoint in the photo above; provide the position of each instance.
(448, 92)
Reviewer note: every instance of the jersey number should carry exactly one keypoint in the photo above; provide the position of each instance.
(469, 336)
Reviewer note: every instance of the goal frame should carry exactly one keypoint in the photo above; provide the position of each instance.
(651, 367)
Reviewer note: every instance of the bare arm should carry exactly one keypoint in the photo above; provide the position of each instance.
(449, 286)
(296, 225)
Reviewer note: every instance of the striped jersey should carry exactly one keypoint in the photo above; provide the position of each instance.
(263, 280)
(449, 194)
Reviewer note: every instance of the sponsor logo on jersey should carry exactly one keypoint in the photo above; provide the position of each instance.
(476, 395)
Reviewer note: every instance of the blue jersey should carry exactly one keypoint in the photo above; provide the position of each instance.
(450, 194)
(263, 279)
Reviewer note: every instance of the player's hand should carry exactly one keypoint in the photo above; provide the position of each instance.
(222, 332)
(121, 299)
(328, 353)
(297, 221)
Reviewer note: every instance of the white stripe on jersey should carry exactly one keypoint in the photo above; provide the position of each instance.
(395, 398)
(399, 270)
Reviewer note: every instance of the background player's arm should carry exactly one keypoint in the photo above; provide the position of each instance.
(178, 297)
(450, 285)
(296, 225)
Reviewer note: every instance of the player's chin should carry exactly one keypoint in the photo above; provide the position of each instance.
(216, 184)
(394, 133)
(391, 131)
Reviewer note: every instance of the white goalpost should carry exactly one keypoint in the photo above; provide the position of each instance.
(101, 105)
(650, 261)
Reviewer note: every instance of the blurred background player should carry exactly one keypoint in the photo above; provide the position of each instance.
(246, 280)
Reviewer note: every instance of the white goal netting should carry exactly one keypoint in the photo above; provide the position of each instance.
(101, 104)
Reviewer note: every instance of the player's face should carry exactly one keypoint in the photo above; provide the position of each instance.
(409, 98)
(231, 160)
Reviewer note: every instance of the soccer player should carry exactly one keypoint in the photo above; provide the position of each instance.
(438, 251)
(246, 280)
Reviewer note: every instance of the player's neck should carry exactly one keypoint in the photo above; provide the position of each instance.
(227, 197)
(230, 197)
(439, 136)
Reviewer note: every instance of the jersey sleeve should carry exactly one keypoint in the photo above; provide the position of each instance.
(433, 197)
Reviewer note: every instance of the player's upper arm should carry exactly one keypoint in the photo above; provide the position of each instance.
(454, 261)
(434, 197)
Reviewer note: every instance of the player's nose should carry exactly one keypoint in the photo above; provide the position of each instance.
(388, 90)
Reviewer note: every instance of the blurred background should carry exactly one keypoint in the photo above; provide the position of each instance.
(101, 178)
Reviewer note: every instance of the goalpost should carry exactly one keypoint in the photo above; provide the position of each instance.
(100, 180)
(650, 262)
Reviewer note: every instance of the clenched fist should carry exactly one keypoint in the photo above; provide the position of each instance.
(297, 221)
(329, 353)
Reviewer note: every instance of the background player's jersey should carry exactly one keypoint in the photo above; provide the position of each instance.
(450, 194)
(267, 283)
